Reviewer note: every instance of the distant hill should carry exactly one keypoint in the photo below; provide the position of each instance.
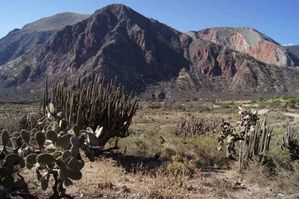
(55, 22)
(34, 35)
(149, 57)
(20, 48)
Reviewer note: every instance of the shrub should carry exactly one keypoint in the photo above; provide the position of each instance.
(180, 164)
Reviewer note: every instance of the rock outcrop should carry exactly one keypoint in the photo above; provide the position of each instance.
(248, 41)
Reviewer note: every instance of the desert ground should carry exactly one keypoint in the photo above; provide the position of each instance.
(154, 162)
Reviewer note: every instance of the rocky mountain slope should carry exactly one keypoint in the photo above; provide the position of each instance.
(248, 41)
(19, 49)
(146, 55)
(21, 41)
(293, 52)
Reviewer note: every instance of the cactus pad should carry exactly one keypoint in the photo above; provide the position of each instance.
(40, 139)
(45, 159)
(5, 138)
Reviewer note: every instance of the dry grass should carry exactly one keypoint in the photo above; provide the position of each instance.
(11, 114)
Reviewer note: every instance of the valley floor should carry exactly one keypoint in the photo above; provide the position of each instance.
(146, 167)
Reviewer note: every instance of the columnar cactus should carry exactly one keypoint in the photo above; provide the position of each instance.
(291, 142)
(95, 105)
(196, 126)
(256, 143)
(254, 135)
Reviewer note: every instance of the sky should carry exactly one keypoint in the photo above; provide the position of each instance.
(279, 19)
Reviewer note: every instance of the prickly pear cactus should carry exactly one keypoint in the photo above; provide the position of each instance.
(11, 182)
(53, 150)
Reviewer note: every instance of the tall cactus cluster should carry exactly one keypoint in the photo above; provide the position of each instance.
(256, 143)
(104, 108)
(255, 137)
(196, 126)
(291, 142)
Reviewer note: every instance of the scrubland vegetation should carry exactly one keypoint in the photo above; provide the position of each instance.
(168, 151)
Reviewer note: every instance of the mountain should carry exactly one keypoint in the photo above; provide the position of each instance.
(147, 57)
(115, 41)
(248, 41)
(20, 41)
(293, 52)
(217, 71)
(19, 49)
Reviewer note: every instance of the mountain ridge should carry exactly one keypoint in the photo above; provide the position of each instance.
(116, 41)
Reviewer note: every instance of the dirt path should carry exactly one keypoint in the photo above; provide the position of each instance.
(294, 115)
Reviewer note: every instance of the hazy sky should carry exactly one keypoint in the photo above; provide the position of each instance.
(278, 19)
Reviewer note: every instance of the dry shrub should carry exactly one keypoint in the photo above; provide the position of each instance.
(16, 117)
(202, 150)
(271, 175)
(222, 187)
(165, 185)
(180, 164)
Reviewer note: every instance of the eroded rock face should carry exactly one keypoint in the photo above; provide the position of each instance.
(249, 41)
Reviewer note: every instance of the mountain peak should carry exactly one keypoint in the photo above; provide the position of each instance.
(117, 8)
(120, 11)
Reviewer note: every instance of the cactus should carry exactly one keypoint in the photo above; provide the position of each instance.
(291, 142)
(52, 150)
(104, 110)
(45, 159)
(25, 135)
(40, 139)
(254, 135)
(5, 138)
(78, 118)
(196, 126)
(51, 135)
(256, 143)
(31, 159)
